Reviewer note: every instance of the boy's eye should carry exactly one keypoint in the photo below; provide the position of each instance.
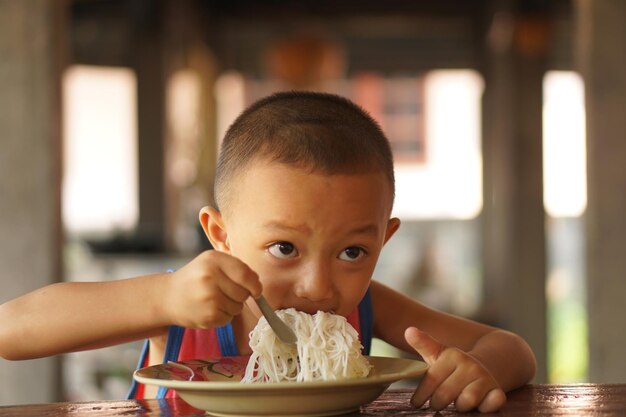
(352, 253)
(283, 250)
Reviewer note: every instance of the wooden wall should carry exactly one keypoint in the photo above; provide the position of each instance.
(31, 58)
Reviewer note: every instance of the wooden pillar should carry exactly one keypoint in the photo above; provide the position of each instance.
(148, 62)
(186, 50)
(30, 221)
(513, 214)
(602, 60)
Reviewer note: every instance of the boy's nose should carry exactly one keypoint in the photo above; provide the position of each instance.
(315, 284)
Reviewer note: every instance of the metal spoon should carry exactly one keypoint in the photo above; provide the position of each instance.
(284, 332)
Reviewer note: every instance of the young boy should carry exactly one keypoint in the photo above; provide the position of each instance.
(304, 190)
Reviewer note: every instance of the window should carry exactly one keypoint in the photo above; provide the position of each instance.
(99, 150)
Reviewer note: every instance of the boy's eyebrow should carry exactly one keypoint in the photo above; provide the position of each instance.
(367, 229)
(280, 225)
(363, 230)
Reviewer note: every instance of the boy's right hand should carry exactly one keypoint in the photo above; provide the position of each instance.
(210, 290)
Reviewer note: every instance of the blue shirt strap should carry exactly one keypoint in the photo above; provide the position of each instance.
(172, 349)
(366, 321)
(134, 385)
(226, 338)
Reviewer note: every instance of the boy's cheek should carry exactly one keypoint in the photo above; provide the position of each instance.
(352, 295)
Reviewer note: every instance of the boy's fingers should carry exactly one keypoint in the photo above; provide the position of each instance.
(240, 273)
(228, 306)
(218, 312)
(431, 381)
(426, 387)
(494, 400)
(429, 384)
(428, 348)
(472, 396)
(233, 290)
(448, 390)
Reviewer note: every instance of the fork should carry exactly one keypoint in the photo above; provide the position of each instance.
(282, 330)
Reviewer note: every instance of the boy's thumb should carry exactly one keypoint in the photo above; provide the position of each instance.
(427, 347)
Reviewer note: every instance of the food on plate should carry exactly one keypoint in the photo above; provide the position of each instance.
(328, 349)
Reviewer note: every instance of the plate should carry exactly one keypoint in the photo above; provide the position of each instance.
(214, 385)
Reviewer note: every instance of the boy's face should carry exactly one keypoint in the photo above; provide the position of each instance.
(313, 239)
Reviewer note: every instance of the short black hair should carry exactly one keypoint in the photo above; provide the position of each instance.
(320, 132)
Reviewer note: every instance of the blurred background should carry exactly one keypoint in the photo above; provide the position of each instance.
(506, 119)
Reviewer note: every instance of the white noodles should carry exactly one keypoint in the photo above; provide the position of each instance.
(328, 348)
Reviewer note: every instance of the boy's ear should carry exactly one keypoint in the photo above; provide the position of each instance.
(213, 226)
(392, 226)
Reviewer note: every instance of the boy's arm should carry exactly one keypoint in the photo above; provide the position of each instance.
(74, 316)
(506, 357)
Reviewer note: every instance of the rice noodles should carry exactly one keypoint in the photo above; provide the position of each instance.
(328, 348)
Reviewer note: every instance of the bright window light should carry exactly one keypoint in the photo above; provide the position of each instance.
(564, 151)
(184, 90)
(448, 184)
(231, 100)
(99, 150)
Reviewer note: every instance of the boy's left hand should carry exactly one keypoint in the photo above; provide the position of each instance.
(453, 376)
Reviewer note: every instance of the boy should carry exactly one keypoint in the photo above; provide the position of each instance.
(304, 190)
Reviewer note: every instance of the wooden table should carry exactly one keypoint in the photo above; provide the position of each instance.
(532, 400)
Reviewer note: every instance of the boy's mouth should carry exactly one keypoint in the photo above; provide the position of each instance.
(312, 309)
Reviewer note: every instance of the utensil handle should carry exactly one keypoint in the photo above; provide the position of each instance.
(281, 329)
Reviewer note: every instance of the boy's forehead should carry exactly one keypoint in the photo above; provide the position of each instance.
(285, 181)
(262, 172)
